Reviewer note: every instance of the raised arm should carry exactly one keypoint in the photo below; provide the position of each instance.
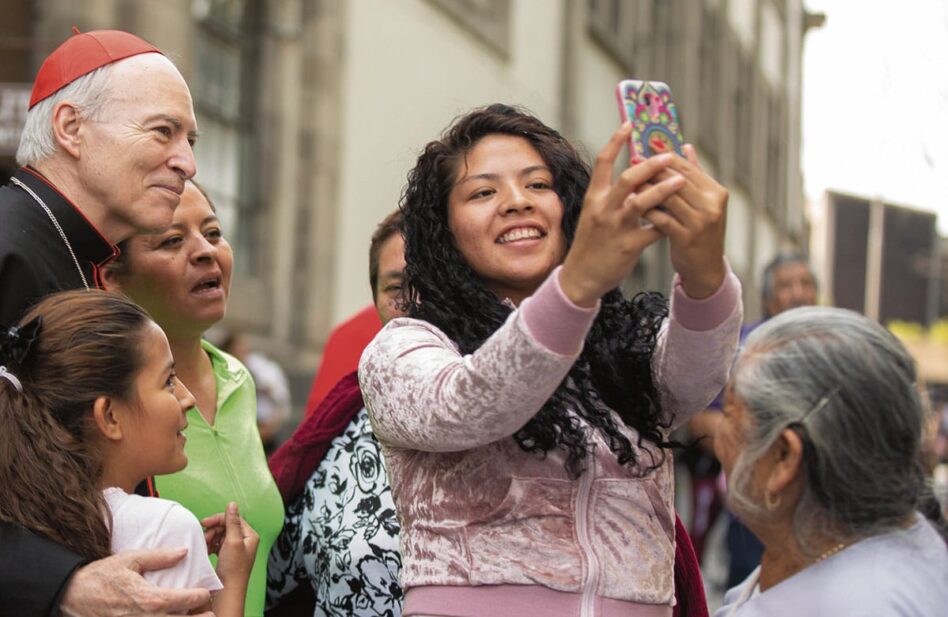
(696, 347)
(694, 353)
(423, 394)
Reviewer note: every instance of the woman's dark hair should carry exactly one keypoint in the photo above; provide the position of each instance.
(614, 368)
(88, 346)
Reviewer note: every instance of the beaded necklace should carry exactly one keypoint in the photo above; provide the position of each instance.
(830, 552)
(751, 586)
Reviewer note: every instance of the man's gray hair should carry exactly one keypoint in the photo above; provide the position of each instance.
(848, 388)
(89, 93)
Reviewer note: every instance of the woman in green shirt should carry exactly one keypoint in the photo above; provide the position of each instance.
(182, 277)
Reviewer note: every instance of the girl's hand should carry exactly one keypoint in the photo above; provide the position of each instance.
(609, 238)
(694, 219)
(237, 550)
(214, 532)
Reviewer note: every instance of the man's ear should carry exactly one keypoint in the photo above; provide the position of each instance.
(106, 418)
(787, 468)
(67, 122)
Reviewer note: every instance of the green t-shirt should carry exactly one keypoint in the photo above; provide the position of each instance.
(226, 463)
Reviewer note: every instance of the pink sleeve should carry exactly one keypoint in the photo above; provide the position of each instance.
(554, 321)
(423, 394)
(695, 348)
(710, 312)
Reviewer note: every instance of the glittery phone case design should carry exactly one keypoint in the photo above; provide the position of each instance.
(648, 105)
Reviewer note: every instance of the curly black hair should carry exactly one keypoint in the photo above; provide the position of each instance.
(614, 369)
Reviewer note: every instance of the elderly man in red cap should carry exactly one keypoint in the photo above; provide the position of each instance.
(106, 150)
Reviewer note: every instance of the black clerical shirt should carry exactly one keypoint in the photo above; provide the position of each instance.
(34, 262)
(34, 259)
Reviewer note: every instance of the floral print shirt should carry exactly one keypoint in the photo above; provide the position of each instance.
(341, 534)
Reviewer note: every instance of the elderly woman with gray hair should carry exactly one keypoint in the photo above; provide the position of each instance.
(820, 443)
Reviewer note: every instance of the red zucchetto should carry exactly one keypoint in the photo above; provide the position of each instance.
(83, 53)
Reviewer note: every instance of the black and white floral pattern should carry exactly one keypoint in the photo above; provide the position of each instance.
(341, 534)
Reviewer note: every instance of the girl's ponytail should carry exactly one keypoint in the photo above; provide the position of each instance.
(86, 347)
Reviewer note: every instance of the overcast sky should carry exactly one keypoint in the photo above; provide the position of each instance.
(875, 102)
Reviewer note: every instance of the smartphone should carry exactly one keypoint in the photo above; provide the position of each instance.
(648, 105)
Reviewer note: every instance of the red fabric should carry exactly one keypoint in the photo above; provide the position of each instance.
(296, 460)
(689, 588)
(342, 352)
(707, 503)
(84, 53)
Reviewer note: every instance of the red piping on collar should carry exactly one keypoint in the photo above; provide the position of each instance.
(152, 489)
(40, 176)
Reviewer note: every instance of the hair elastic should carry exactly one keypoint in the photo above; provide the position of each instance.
(5, 374)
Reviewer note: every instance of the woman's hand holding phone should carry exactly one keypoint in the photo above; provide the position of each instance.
(694, 219)
(610, 237)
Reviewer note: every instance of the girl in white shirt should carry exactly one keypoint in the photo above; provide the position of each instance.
(91, 407)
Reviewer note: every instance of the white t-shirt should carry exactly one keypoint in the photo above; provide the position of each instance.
(150, 522)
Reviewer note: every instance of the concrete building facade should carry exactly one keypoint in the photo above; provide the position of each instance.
(881, 259)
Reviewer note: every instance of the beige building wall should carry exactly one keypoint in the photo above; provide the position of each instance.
(410, 68)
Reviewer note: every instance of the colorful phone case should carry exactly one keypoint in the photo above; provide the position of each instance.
(648, 105)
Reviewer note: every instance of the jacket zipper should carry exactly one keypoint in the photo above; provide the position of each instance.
(591, 584)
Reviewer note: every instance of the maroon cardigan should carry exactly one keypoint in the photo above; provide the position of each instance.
(296, 460)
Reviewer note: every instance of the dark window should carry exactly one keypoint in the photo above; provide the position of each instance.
(710, 78)
(613, 25)
(776, 178)
(224, 100)
(849, 262)
(907, 245)
(743, 95)
(487, 19)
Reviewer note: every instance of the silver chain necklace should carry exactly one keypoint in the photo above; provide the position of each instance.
(52, 218)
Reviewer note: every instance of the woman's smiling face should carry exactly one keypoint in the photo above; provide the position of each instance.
(505, 216)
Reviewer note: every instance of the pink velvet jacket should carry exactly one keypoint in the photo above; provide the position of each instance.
(480, 517)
